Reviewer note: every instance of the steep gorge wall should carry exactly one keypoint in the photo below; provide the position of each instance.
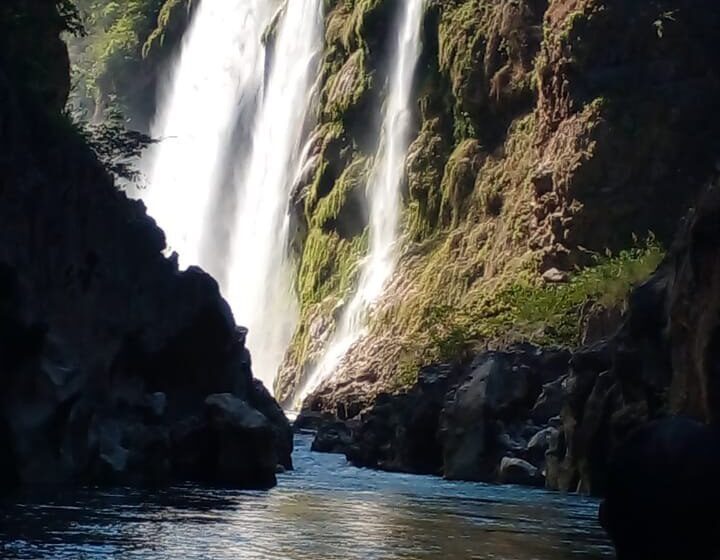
(114, 365)
(547, 133)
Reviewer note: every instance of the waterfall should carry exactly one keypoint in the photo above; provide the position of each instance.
(218, 73)
(384, 196)
(260, 277)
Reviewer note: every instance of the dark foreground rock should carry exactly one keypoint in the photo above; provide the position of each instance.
(115, 366)
(662, 492)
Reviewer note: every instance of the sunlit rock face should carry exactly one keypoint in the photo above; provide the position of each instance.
(109, 351)
(383, 193)
(536, 138)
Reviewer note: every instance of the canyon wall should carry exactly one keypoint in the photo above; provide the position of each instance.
(115, 366)
(556, 147)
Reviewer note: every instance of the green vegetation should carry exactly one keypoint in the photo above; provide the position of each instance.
(168, 14)
(527, 310)
(345, 89)
(459, 180)
(425, 166)
(110, 66)
(117, 147)
(337, 209)
(328, 266)
(462, 39)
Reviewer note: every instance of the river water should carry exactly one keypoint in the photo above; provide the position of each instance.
(324, 510)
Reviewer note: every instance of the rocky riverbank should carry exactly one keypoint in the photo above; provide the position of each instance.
(116, 367)
(534, 415)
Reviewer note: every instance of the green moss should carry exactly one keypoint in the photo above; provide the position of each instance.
(171, 11)
(572, 26)
(345, 88)
(368, 18)
(459, 180)
(425, 165)
(462, 43)
(332, 139)
(328, 266)
(462, 39)
(350, 185)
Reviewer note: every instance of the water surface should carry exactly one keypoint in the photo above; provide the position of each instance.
(324, 510)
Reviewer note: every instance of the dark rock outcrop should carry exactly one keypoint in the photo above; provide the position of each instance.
(399, 432)
(460, 421)
(108, 352)
(332, 437)
(663, 491)
(661, 362)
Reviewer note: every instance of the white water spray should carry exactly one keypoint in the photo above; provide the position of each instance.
(220, 69)
(260, 279)
(384, 196)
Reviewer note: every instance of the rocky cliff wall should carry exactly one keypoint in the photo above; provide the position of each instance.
(547, 133)
(114, 365)
(547, 416)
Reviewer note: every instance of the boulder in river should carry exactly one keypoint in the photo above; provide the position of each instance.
(332, 437)
(517, 471)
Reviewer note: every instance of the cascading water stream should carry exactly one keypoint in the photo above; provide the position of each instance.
(384, 197)
(218, 73)
(260, 278)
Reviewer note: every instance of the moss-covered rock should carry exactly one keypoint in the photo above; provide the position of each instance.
(424, 168)
(344, 90)
(549, 132)
(172, 20)
(459, 179)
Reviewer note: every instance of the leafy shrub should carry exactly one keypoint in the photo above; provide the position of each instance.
(115, 146)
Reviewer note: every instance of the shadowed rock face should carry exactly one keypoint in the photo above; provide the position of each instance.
(108, 353)
(663, 491)
(464, 422)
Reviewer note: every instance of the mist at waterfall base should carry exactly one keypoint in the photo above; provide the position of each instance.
(230, 143)
(384, 200)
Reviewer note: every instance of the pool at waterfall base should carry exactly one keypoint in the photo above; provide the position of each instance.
(324, 510)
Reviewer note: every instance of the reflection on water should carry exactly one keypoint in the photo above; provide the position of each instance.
(324, 510)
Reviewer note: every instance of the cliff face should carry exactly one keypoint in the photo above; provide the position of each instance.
(547, 134)
(559, 418)
(114, 365)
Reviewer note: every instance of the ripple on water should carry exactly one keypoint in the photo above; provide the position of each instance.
(324, 510)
